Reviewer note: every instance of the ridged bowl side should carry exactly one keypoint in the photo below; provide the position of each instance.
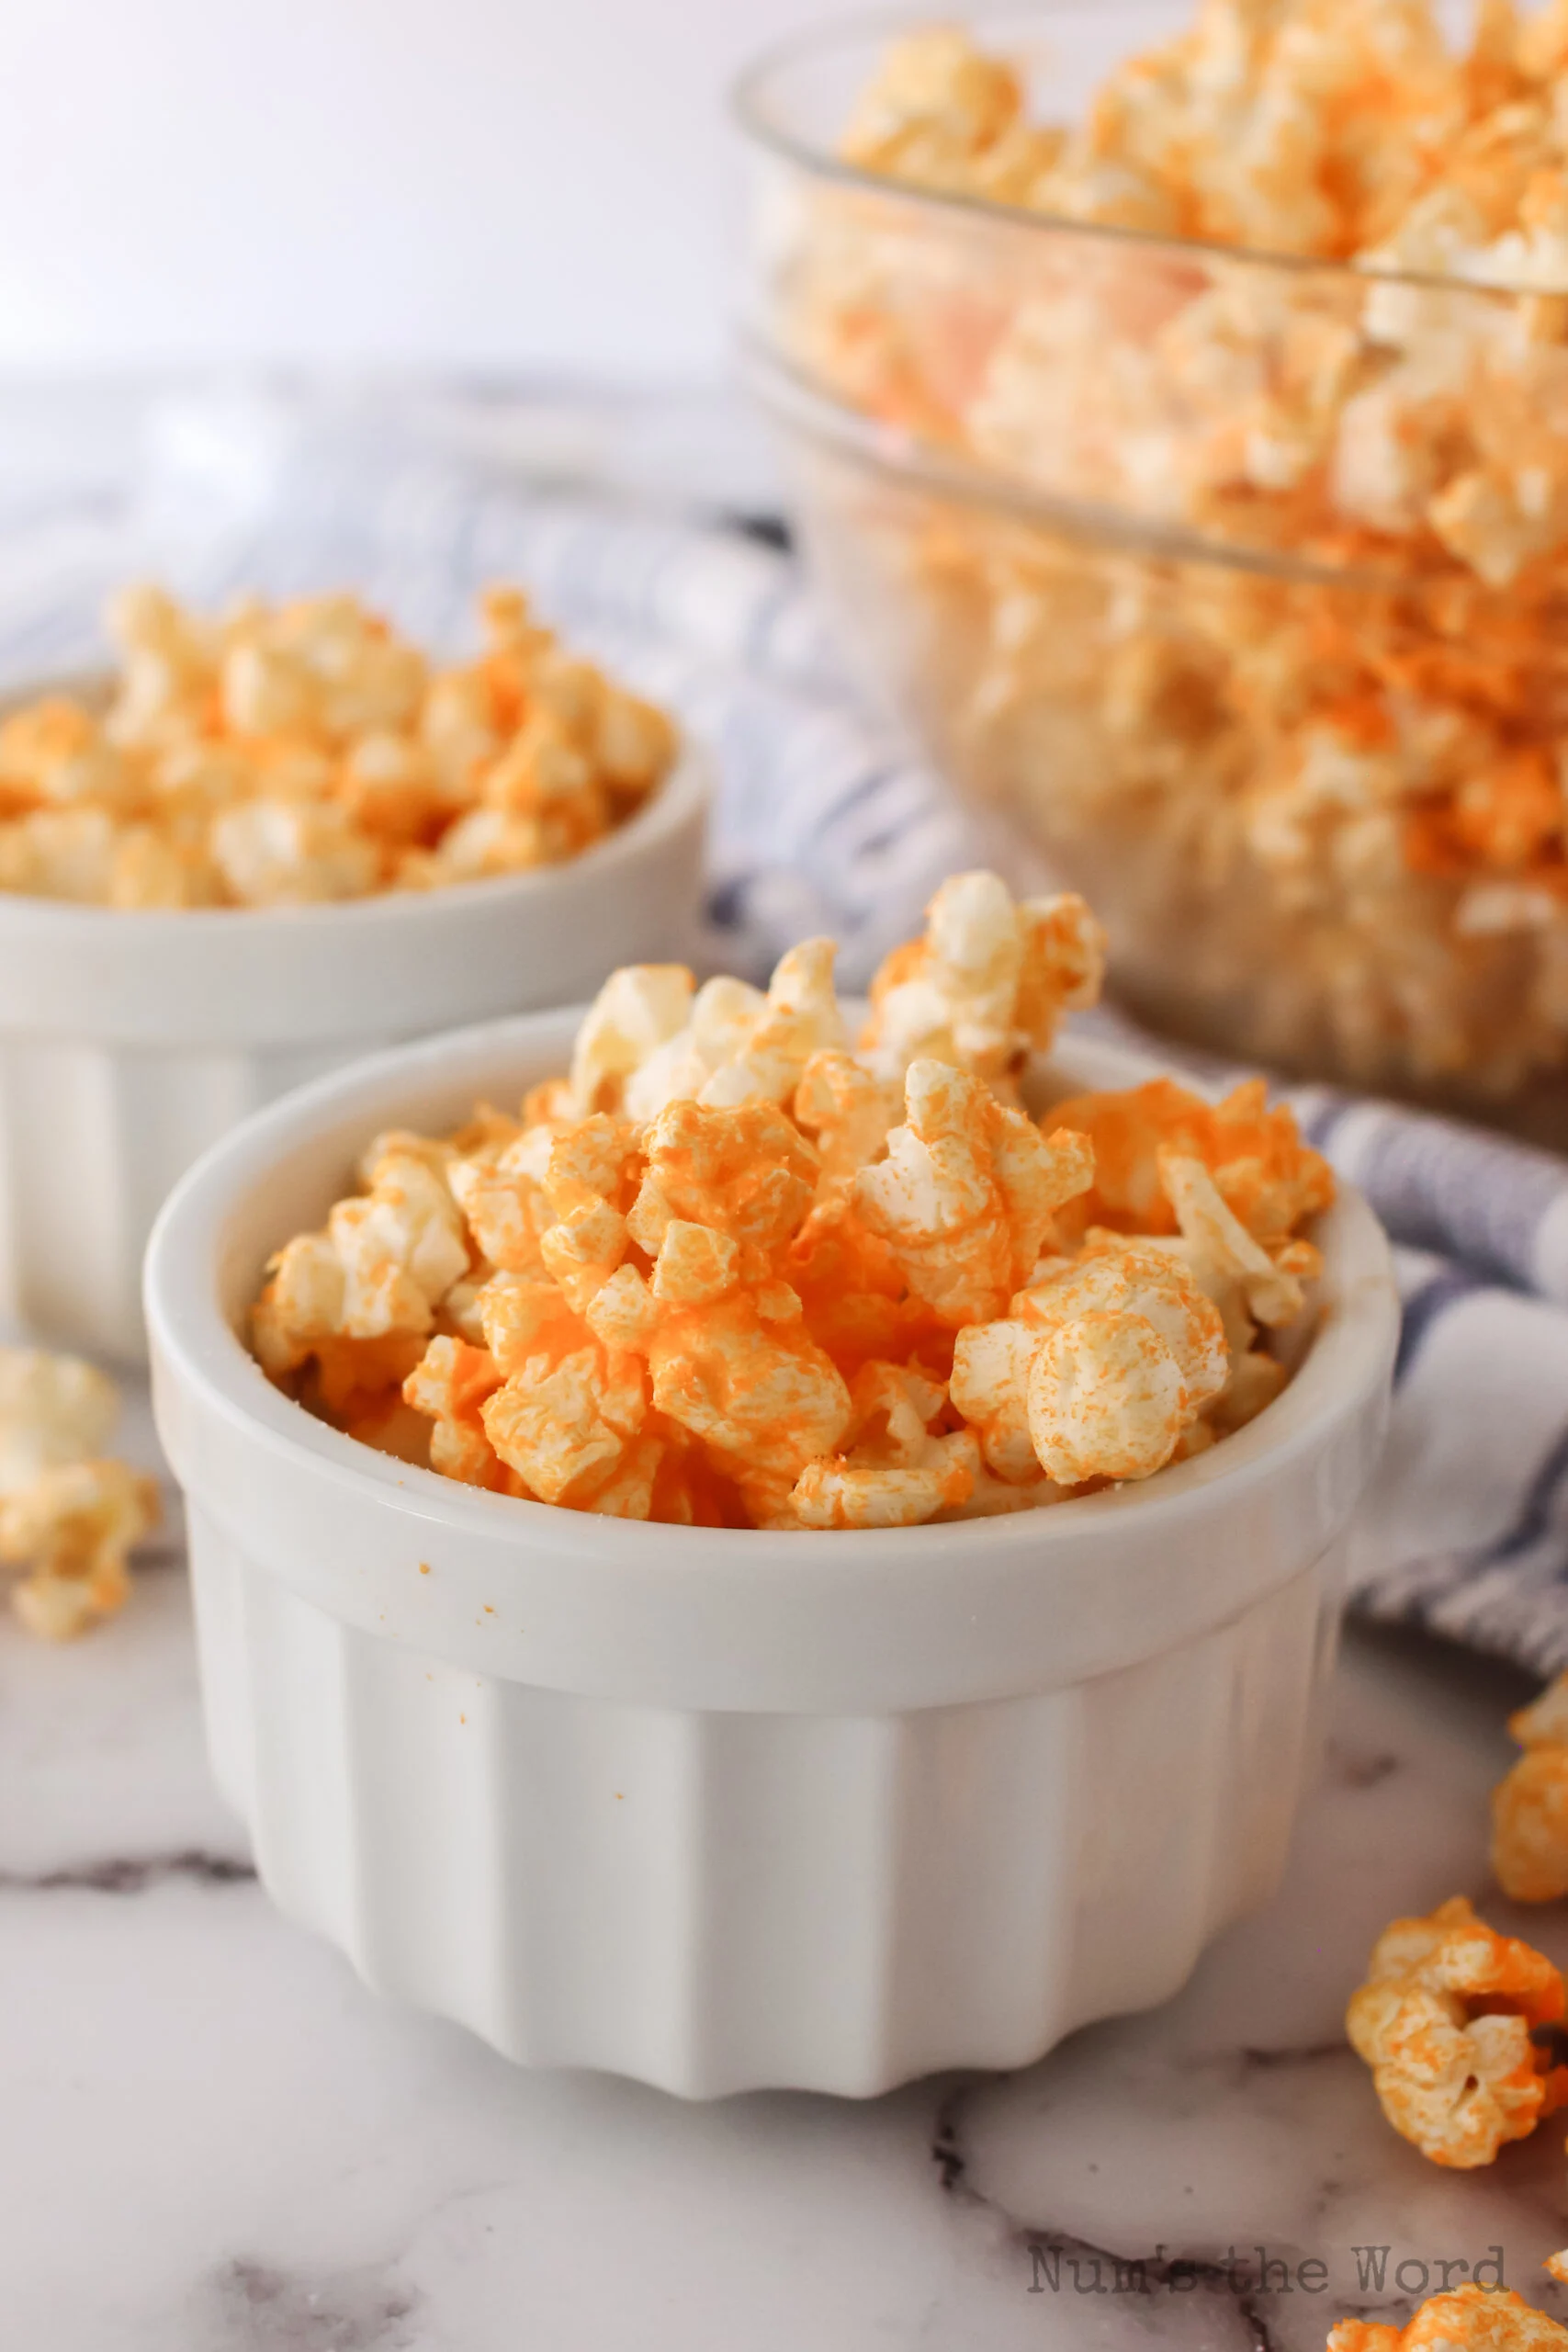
(718, 1902)
(93, 1138)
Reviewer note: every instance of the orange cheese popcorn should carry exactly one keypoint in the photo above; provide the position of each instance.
(731, 1274)
(966, 1194)
(988, 983)
(1465, 2318)
(1529, 1808)
(69, 1514)
(1444, 2022)
(1104, 1366)
(1297, 703)
(736, 1044)
(302, 752)
(894, 1469)
(1267, 1176)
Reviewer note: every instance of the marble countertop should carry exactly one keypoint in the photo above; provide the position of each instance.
(213, 2139)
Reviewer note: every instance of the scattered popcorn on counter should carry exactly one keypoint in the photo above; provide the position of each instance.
(736, 1269)
(1465, 2318)
(1285, 691)
(293, 753)
(69, 1514)
(1444, 2020)
(1529, 1808)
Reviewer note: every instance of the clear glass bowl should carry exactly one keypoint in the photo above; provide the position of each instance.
(1237, 584)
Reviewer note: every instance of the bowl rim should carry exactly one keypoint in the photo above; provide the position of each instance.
(1342, 1375)
(800, 405)
(748, 106)
(685, 786)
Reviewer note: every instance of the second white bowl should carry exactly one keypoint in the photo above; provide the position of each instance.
(129, 1042)
(724, 1809)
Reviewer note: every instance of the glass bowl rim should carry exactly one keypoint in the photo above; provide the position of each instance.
(751, 90)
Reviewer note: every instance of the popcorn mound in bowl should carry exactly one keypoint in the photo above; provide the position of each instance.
(298, 753)
(1298, 723)
(737, 1269)
(69, 1514)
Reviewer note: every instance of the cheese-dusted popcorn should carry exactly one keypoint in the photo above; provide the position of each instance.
(302, 752)
(69, 1512)
(730, 1271)
(1444, 2020)
(1293, 713)
(1464, 2319)
(987, 984)
(1529, 1807)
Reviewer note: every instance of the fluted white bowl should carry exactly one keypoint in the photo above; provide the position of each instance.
(718, 1809)
(132, 1040)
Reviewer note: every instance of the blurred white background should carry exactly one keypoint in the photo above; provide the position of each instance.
(546, 185)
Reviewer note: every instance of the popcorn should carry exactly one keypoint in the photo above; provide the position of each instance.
(966, 1195)
(730, 1274)
(734, 1045)
(896, 1470)
(303, 753)
(1529, 1808)
(1464, 2319)
(68, 1514)
(1300, 706)
(1101, 1369)
(1444, 2021)
(987, 984)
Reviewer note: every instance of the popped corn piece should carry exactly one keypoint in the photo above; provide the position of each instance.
(640, 1007)
(1266, 1175)
(507, 1211)
(739, 1045)
(938, 107)
(1246, 1283)
(281, 853)
(53, 1410)
(1529, 1826)
(856, 1299)
(68, 1515)
(400, 1245)
(1132, 1351)
(991, 1364)
(565, 1425)
(1544, 1723)
(736, 1368)
(967, 1191)
(849, 1114)
(747, 1172)
(1558, 2266)
(1529, 1807)
(350, 1307)
(449, 1386)
(988, 982)
(798, 1018)
(72, 1530)
(60, 853)
(53, 750)
(592, 1179)
(1464, 2319)
(1444, 2022)
(894, 1469)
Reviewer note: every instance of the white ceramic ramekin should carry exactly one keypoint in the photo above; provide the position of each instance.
(724, 1810)
(129, 1042)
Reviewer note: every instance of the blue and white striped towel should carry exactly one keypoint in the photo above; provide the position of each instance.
(825, 824)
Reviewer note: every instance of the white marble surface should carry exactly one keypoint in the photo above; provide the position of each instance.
(212, 2138)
